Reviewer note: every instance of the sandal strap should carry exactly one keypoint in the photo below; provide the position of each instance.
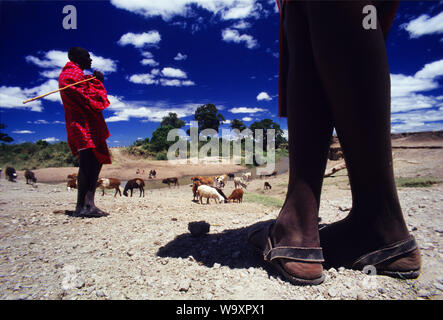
(386, 253)
(314, 255)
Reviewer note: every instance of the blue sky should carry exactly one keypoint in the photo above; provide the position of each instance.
(173, 56)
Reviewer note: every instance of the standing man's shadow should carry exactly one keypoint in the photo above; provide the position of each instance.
(227, 248)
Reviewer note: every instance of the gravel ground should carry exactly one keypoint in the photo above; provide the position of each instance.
(144, 250)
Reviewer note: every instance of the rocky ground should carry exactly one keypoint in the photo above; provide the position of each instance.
(144, 250)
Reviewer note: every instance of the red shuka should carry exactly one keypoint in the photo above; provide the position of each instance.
(83, 103)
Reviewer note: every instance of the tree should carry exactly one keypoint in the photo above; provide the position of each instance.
(208, 117)
(173, 120)
(159, 138)
(266, 124)
(42, 143)
(4, 137)
(238, 124)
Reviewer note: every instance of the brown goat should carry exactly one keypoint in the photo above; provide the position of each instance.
(236, 195)
(204, 180)
(109, 183)
(72, 181)
(195, 186)
(72, 176)
(72, 184)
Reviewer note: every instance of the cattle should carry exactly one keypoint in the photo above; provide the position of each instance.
(135, 183)
(267, 185)
(231, 176)
(30, 176)
(10, 174)
(109, 183)
(236, 195)
(204, 180)
(170, 181)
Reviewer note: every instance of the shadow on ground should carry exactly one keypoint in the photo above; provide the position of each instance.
(228, 248)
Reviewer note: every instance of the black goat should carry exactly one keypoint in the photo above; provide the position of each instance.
(10, 174)
(30, 176)
(135, 183)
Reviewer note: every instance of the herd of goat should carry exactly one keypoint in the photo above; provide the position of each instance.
(202, 186)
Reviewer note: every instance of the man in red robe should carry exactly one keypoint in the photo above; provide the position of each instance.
(85, 126)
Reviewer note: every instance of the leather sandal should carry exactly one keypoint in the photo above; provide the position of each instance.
(381, 257)
(272, 255)
(386, 255)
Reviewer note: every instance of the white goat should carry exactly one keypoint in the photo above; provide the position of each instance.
(246, 176)
(238, 182)
(207, 192)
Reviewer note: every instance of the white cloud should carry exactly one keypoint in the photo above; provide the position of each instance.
(55, 60)
(405, 90)
(51, 139)
(241, 25)
(424, 25)
(431, 70)
(147, 54)
(149, 62)
(411, 109)
(239, 12)
(147, 111)
(51, 59)
(13, 97)
(141, 39)
(176, 83)
(156, 77)
(180, 57)
(247, 119)
(263, 96)
(232, 35)
(174, 73)
(227, 9)
(402, 85)
(155, 72)
(246, 110)
(23, 131)
(45, 87)
(145, 78)
(41, 121)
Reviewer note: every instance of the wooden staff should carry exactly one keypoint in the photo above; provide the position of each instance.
(65, 87)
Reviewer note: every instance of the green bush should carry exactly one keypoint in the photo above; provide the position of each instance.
(161, 156)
